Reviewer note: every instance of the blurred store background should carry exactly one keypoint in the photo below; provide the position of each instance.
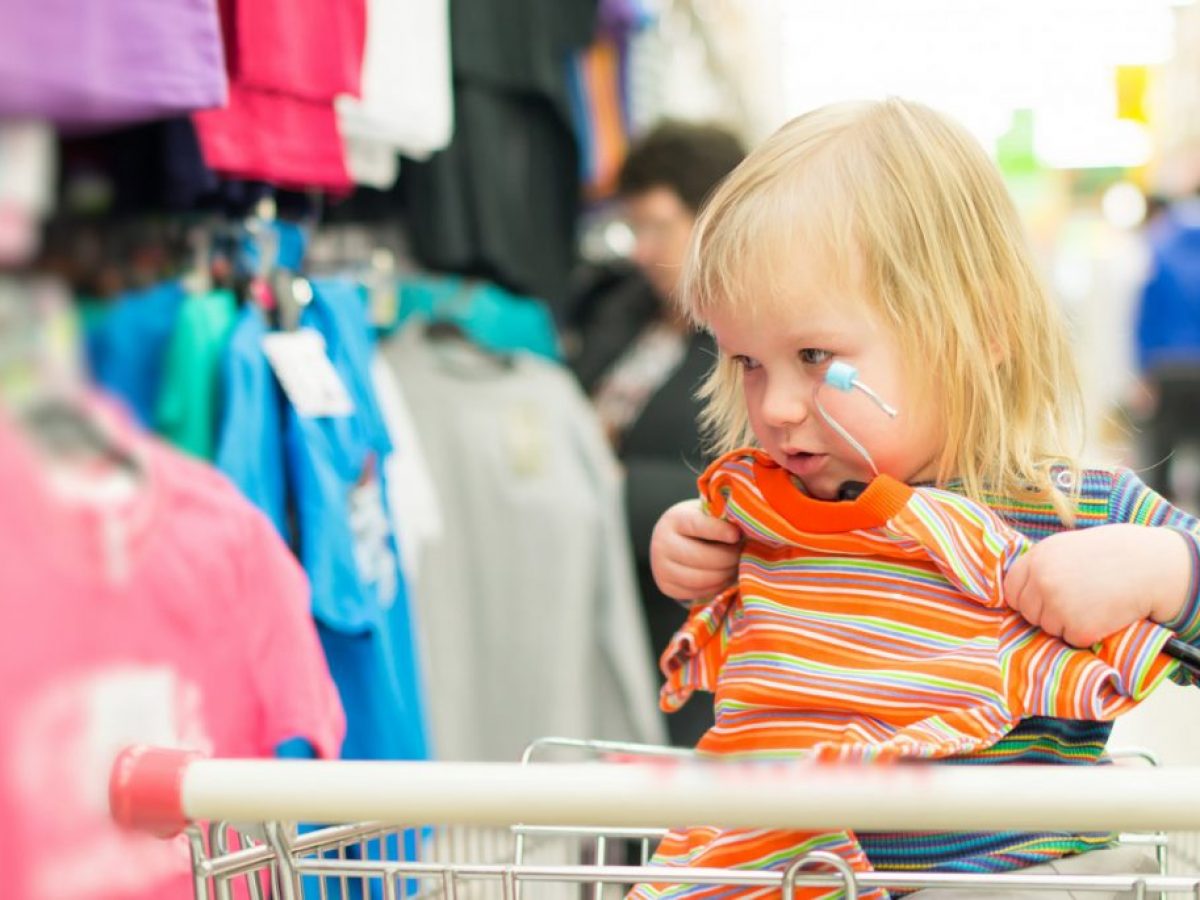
(340, 383)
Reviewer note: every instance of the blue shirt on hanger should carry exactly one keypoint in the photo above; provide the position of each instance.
(250, 436)
(323, 479)
(127, 340)
(347, 545)
(329, 472)
(348, 548)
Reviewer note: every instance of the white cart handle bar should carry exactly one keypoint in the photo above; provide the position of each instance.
(164, 790)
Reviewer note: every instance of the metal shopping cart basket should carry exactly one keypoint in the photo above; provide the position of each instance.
(562, 822)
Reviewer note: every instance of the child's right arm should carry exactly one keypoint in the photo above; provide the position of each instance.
(692, 554)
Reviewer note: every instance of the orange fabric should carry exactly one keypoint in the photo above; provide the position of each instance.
(882, 499)
(872, 630)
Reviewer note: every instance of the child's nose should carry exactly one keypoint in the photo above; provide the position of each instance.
(784, 403)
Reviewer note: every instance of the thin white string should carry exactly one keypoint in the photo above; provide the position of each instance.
(846, 436)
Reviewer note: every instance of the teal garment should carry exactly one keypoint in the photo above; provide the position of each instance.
(187, 411)
(488, 314)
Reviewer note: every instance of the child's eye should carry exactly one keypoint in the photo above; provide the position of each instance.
(811, 356)
(746, 363)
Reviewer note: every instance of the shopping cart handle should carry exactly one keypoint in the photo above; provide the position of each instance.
(160, 791)
(145, 789)
(1188, 656)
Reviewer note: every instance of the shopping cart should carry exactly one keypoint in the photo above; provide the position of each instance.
(584, 816)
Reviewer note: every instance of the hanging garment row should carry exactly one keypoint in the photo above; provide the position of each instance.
(144, 600)
(447, 603)
(300, 94)
(464, 608)
(502, 138)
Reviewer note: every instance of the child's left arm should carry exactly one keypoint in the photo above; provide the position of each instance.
(1083, 585)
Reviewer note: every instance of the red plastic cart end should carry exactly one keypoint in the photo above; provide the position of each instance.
(145, 790)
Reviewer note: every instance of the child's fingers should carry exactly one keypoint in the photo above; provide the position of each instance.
(1015, 580)
(707, 557)
(693, 585)
(693, 555)
(1052, 624)
(706, 528)
(1019, 593)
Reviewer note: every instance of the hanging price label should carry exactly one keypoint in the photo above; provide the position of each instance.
(309, 380)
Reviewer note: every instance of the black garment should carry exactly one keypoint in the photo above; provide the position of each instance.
(502, 201)
(157, 167)
(610, 305)
(151, 167)
(661, 451)
(520, 45)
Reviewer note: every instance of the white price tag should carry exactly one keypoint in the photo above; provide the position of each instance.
(308, 377)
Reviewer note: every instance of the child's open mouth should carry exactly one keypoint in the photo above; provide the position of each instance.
(803, 465)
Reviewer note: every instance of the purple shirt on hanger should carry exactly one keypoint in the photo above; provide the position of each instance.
(83, 62)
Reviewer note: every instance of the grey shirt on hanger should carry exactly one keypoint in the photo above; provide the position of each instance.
(527, 605)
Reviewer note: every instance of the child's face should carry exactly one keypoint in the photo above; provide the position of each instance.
(784, 359)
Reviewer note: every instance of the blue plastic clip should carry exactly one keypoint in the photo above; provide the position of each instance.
(841, 375)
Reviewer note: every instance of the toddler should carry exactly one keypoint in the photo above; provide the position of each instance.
(880, 236)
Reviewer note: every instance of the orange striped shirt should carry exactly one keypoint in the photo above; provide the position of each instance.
(873, 629)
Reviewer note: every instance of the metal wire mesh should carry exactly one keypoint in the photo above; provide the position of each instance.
(356, 862)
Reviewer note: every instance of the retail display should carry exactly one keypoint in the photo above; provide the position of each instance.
(281, 581)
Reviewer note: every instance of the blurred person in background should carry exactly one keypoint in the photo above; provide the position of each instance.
(1168, 350)
(641, 362)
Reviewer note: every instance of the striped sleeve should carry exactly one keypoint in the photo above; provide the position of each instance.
(1139, 666)
(1133, 502)
(1047, 678)
(970, 544)
(696, 653)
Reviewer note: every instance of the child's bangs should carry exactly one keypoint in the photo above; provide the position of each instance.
(756, 250)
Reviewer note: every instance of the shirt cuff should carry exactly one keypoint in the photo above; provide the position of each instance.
(1186, 623)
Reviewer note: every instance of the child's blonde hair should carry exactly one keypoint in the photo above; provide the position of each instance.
(902, 205)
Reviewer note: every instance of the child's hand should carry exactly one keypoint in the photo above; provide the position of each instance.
(693, 555)
(1084, 585)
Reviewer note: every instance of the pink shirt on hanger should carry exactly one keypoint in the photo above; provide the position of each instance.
(172, 615)
(287, 61)
(283, 140)
(312, 49)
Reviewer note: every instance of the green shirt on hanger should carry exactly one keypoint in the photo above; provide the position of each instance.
(186, 412)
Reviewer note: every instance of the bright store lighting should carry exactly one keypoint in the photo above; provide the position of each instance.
(1073, 277)
(1092, 144)
(1124, 205)
(981, 60)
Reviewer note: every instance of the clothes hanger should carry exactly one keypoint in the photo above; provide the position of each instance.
(276, 289)
(446, 320)
(289, 292)
(442, 331)
(40, 376)
(200, 241)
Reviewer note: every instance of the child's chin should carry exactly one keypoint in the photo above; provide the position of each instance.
(835, 486)
(821, 491)
(819, 487)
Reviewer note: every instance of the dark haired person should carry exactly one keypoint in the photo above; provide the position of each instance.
(639, 360)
